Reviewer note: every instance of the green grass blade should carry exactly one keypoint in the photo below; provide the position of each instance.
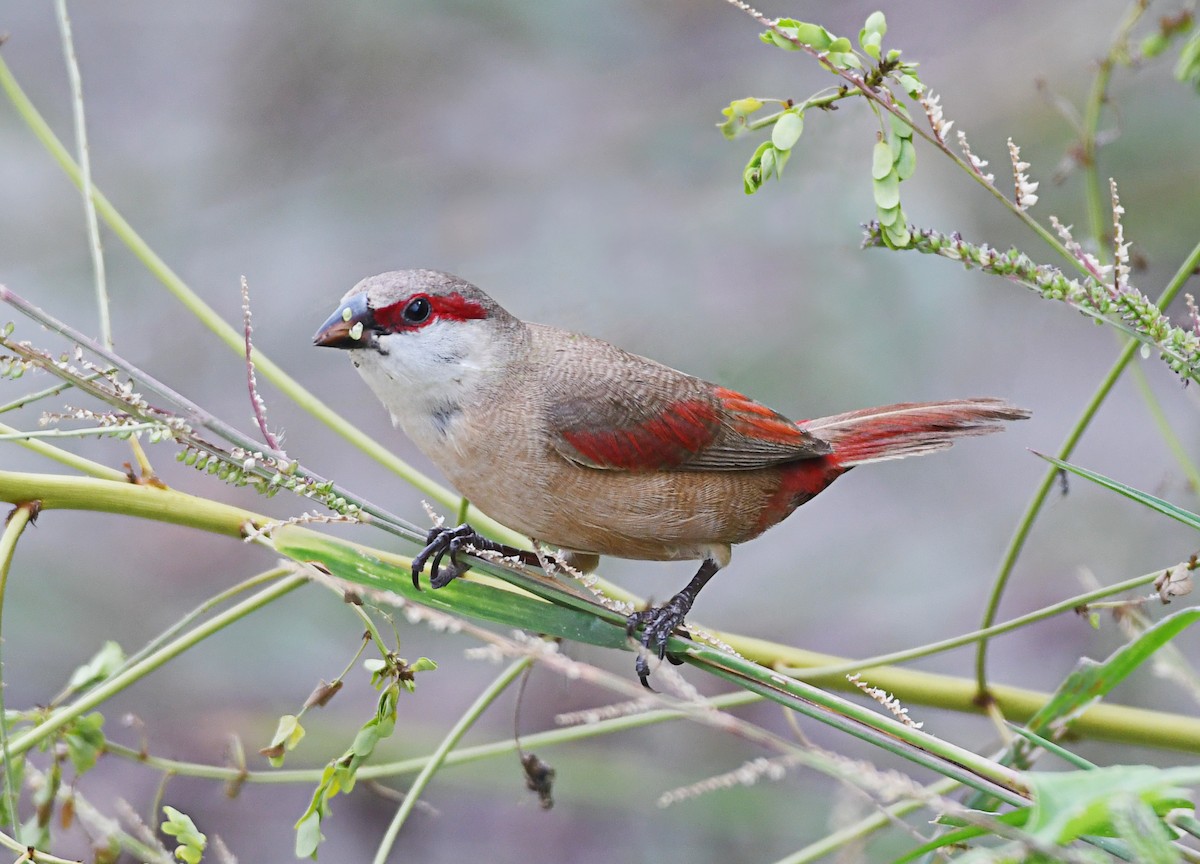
(554, 612)
(1165, 507)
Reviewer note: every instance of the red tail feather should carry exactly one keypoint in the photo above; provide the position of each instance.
(909, 428)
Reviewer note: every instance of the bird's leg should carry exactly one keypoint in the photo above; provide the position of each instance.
(660, 621)
(441, 542)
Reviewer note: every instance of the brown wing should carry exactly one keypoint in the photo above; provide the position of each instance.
(607, 408)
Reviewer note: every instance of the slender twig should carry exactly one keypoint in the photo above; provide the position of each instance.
(256, 401)
(64, 457)
(126, 429)
(18, 518)
(1071, 604)
(195, 614)
(85, 171)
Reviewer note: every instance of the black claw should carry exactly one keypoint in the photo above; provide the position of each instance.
(658, 623)
(439, 542)
(657, 626)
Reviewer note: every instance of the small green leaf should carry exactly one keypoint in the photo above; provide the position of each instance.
(102, 664)
(308, 835)
(85, 741)
(767, 161)
(870, 43)
(897, 235)
(911, 85)
(876, 23)
(906, 164)
(887, 191)
(812, 35)
(423, 664)
(192, 842)
(1154, 44)
(1068, 805)
(881, 160)
(288, 734)
(787, 130)
(738, 114)
(887, 218)
(901, 128)
(841, 45)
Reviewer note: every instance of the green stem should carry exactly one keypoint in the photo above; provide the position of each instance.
(896, 657)
(38, 856)
(460, 756)
(64, 457)
(1103, 721)
(858, 830)
(80, 433)
(21, 515)
(183, 623)
(111, 686)
(1182, 456)
(85, 172)
(949, 760)
(1025, 525)
(439, 756)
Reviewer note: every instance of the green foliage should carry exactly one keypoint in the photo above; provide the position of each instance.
(389, 674)
(894, 156)
(192, 843)
(85, 741)
(738, 116)
(288, 735)
(103, 663)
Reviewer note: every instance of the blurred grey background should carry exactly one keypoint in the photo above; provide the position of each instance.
(565, 158)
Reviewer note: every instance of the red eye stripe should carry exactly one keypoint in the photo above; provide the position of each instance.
(446, 307)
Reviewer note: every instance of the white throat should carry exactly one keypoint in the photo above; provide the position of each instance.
(424, 378)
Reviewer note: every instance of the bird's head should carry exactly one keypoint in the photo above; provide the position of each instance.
(414, 333)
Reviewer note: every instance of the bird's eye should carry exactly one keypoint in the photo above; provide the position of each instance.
(417, 310)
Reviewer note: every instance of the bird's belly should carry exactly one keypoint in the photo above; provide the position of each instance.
(653, 516)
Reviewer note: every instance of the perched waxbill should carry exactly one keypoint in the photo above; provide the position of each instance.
(573, 442)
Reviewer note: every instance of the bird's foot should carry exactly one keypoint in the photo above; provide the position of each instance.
(658, 623)
(444, 542)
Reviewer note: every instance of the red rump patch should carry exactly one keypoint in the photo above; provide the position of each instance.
(755, 420)
(664, 441)
(799, 481)
(445, 307)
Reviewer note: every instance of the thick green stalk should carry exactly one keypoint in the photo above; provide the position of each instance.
(1104, 721)
(23, 514)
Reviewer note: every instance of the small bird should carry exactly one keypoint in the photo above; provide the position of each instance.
(576, 443)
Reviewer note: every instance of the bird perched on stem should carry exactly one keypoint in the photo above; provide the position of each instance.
(575, 443)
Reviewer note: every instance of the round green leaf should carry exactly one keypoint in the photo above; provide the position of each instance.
(906, 164)
(813, 34)
(881, 160)
(887, 218)
(887, 191)
(876, 23)
(787, 131)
